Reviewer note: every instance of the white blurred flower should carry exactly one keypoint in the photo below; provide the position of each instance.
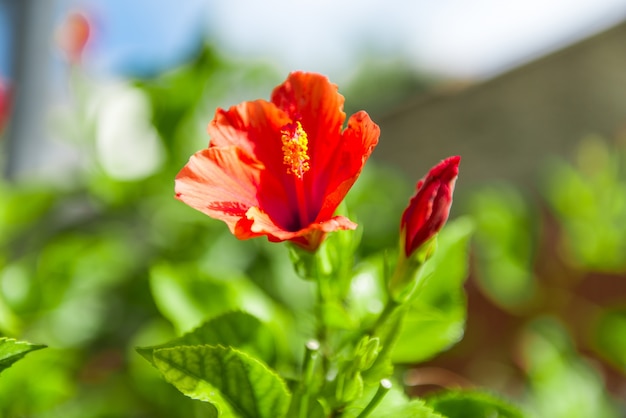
(128, 146)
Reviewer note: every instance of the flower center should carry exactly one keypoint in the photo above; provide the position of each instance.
(295, 147)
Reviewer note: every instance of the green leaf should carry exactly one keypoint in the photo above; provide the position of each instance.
(234, 329)
(436, 316)
(12, 350)
(181, 293)
(561, 383)
(313, 407)
(609, 336)
(237, 384)
(413, 409)
(23, 208)
(205, 410)
(395, 404)
(589, 200)
(506, 236)
(462, 404)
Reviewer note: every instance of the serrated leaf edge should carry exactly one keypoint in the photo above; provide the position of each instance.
(238, 352)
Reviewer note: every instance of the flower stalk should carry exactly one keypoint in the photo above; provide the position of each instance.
(308, 368)
(383, 388)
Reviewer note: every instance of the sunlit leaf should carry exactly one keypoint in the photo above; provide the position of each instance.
(38, 382)
(22, 208)
(181, 292)
(233, 329)
(413, 409)
(463, 404)
(436, 318)
(235, 383)
(12, 350)
(395, 403)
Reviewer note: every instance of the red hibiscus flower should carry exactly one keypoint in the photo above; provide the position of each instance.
(428, 210)
(281, 168)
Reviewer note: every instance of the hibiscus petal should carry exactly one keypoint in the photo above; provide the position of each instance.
(252, 126)
(220, 182)
(309, 237)
(358, 139)
(255, 127)
(314, 101)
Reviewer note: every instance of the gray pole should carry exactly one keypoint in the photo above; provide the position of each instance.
(31, 24)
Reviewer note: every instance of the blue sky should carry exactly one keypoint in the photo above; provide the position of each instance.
(459, 38)
(4, 40)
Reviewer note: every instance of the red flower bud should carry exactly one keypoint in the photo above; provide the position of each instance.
(428, 210)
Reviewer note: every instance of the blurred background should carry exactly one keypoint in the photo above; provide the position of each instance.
(101, 103)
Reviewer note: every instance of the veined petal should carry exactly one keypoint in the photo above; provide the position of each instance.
(313, 100)
(309, 237)
(357, 143)
(255, 127)
(220, 182)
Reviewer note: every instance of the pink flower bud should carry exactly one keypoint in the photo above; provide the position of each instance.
(73, 36)
(5, 103)
(428, 210)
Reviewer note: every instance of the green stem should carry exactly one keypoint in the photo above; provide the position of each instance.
(390, 309)
(383, 388)
(387, 326)
(312, 351)
(322, 329)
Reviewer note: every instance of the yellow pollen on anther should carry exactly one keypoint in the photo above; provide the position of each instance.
(295, 147)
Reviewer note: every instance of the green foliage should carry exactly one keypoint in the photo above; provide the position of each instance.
(12, 350)
(589, 199)
(235, 383)
(79, 256)
(234, 329)
(21, 208)
(562, 383)
(436, 316)
(27, 391)
(609, 336)
(561, 271)
(99, 264)
(461, 404)
(356, 365)
(181, 293)
(394, 403)
(376, 202)
(505, 238)
(413, 409)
